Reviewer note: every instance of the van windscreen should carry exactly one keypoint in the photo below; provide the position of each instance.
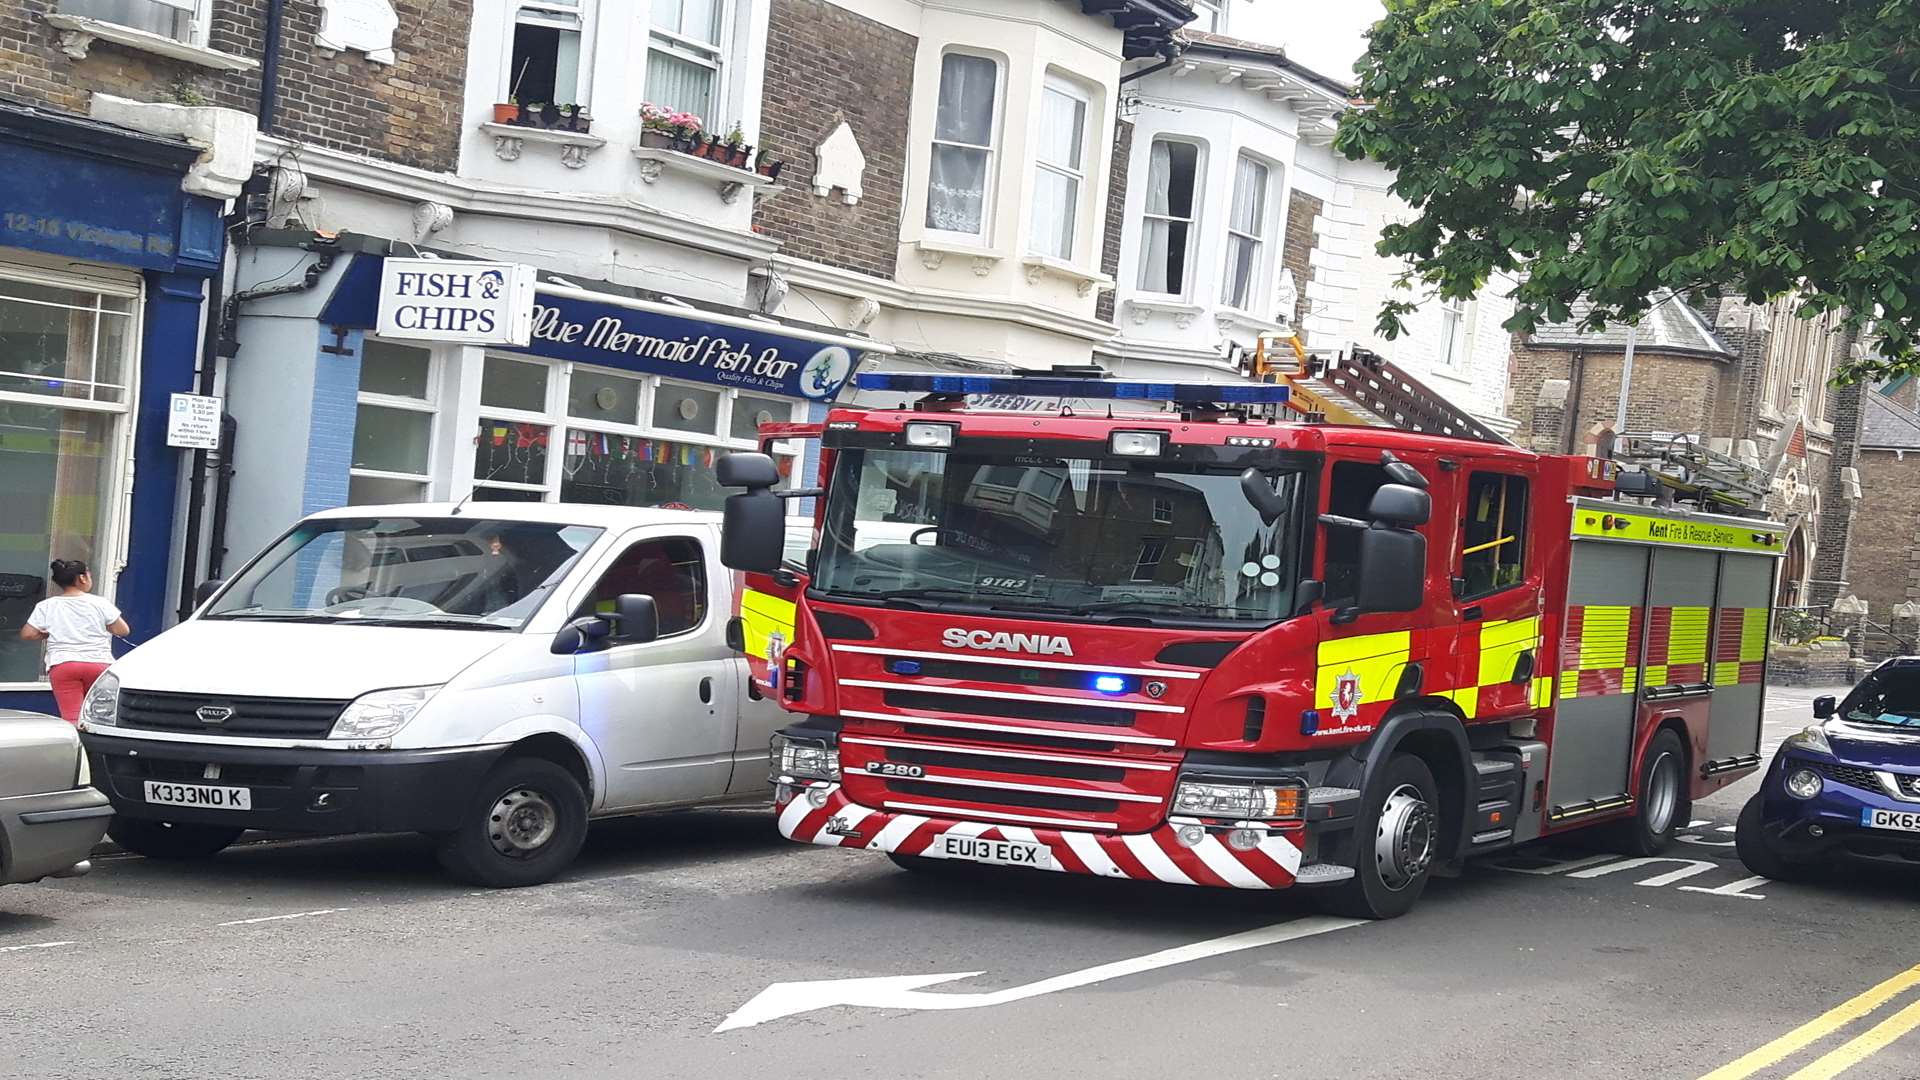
(461, 573)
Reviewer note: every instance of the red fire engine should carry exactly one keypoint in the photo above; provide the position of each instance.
(1203, 646)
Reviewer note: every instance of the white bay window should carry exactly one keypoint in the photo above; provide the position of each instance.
(1246, 233)
(965, 130)
(549, 42)
(1166, 235)
(1059, 169)
(684, 58)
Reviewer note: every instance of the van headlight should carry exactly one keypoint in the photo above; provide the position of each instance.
(102, 705)
(381, 713)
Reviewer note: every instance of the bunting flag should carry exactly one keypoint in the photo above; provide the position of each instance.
(499, 435)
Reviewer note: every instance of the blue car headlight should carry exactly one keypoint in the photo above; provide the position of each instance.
(1813, 737)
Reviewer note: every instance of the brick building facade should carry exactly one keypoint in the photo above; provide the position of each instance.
(407, 112)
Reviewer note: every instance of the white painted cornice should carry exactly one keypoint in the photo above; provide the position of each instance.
(992, 306)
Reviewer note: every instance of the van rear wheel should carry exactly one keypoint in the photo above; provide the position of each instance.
(524, 823)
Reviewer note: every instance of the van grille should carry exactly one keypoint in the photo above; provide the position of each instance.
(273, 717)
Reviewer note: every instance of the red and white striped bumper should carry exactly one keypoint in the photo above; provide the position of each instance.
(1151, 856)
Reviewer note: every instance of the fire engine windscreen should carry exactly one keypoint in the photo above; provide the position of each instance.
(1072, 536)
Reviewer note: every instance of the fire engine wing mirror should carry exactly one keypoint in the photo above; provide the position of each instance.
(1393, 569)
(1400, 504)
(1258, 490)
(746, 470)
(753, 532)
(1400, 472)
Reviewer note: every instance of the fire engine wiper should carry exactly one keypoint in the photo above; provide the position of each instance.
(929, 592)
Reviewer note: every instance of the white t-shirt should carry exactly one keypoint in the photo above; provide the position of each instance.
(76, 628)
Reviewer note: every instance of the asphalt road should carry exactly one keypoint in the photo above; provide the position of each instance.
(355, 958)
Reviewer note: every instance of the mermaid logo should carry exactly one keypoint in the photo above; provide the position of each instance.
(492, 284)
(825, 372)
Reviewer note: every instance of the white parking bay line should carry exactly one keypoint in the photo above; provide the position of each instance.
(36, 945)
(282, 918)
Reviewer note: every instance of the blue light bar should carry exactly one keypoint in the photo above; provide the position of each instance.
(1045, 386)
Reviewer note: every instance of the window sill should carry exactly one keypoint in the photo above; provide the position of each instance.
(1232, 316)
(510, 139)
(1142, 309)
(933, 254)
(78, 33)
(1084, 281)
(726, 179)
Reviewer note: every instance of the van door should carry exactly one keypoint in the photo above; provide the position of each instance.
(662, 712)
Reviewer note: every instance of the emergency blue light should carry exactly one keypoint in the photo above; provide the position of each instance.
(1072, 387)
(1109, 684)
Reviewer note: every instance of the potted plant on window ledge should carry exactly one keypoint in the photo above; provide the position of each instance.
(575, 118)
(667, 129)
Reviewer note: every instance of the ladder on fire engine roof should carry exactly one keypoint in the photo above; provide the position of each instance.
(1692, 471)
(1362, 387)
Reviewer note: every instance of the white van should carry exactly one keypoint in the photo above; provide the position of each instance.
(494, 674)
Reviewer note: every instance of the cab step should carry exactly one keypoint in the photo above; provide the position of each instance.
(1322, 874)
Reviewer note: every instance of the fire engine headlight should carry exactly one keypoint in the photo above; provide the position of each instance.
(1137, 443)
(1240, 802)
(803, 759)
(925, 436)
(1803, 783)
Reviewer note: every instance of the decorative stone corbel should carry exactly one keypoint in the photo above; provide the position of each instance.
(932, 258)
(508, 147)
(650, 170)
(861, 311)
(574, 155)
(75, 43)
(730, 192)
(1141, 315)
(430, 217)
(983, 264)
(1034, 270)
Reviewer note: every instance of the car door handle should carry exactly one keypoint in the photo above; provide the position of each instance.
(706, 690)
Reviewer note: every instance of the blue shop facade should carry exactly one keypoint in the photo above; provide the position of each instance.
(104, 269)
(621, 398)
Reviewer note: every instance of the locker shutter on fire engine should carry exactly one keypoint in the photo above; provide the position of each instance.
(1599, 666)
(1739, 655)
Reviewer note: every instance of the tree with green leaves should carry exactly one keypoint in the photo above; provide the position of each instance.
(1614, 148)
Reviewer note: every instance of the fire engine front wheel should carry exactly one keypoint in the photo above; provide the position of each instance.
(1398, 835)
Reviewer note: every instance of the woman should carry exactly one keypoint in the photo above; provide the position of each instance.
(79, 629)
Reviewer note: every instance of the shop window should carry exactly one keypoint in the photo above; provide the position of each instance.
(687, 408)
(1059, 170)
(669, 570)
(603, 396)
(684, 57)
(1166, 235)
(64, 356)
(514, 384)
(510, 456)
(1493, 550)
(547, 46)
(180, 20)
(966, 122)
(393, 425)
(1246, 233)
(635, 470)
(752, 410)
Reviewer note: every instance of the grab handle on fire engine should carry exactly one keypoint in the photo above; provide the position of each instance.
(1523, 668)
(1473, 613)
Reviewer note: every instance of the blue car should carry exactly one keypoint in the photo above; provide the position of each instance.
(1848, 785)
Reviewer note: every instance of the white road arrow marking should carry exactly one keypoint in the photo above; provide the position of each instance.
(904, 991)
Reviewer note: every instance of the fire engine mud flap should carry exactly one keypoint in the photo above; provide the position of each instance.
(1438, 738)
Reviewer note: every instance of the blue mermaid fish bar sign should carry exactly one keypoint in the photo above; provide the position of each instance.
(637, 336)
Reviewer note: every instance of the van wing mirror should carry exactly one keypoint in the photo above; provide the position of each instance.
(636, 618)
(1401, 505)
(1258, 490)
(205, 590)
(1393, 569)
(583, 634)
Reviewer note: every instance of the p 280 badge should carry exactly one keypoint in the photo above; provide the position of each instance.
(894, 768)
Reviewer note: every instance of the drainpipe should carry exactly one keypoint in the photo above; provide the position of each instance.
(270, 65)
(205, 384)
(1570, 427)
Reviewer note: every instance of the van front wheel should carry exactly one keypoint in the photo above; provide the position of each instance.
(525, 822)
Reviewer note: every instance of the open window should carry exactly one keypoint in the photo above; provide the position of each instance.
(1348, 495)
(671, 570)
(546, 65)
(1493, 549)
(1166, 235)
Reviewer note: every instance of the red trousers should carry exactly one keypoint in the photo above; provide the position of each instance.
(71, 681)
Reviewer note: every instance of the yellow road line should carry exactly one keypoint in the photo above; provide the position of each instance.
(1862, 1046)
(1822, 1026)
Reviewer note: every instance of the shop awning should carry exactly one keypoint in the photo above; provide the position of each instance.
(653, 334)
